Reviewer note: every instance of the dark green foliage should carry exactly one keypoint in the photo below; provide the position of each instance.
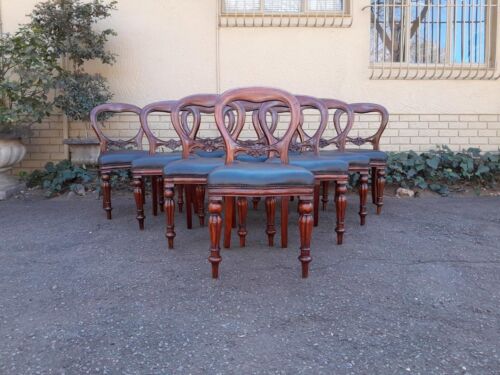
(64, 176)
(27, 69)
(82, 92)
(439, 169)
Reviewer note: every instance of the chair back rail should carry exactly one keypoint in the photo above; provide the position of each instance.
(202, 104)
(341, 138)
(259, 96)
(365, 108)
(104, 141)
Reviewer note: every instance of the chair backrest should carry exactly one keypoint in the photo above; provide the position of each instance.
(164, 107)
(365, 108)
(104, 141)
(340, 139)
(197, 105)
(277, 145)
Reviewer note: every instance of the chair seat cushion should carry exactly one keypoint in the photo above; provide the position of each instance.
(374, 155)
(260, 175)
(250, 158)
(158, 160)
(316, 164)
(210, 154)
(353, 158)
(196, 166)
(120, 157)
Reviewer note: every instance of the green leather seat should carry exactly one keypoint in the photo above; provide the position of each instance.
(195, 166)
(120, 157)
(260, 175)
(158, 160)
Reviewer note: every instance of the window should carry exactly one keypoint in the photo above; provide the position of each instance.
(433, 38)
(326, 13)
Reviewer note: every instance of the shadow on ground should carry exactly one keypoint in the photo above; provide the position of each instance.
(414, 291)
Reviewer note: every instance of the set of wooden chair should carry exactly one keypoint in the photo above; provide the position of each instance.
(278, 162)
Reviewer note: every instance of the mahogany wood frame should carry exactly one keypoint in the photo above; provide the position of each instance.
(105, 142)
(274, 146)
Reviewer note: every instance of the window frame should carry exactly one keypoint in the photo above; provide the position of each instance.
(304, 11)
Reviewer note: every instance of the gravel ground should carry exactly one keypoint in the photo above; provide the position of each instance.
(415, 291)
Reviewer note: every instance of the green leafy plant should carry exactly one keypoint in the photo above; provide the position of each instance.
(27, 68)
(69, 28)
(64, 176)
(439, 169)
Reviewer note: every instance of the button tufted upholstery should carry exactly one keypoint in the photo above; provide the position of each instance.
(260, 175)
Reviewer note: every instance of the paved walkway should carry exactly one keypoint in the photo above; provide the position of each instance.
(416, 291)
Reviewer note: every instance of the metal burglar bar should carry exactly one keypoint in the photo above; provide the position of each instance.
(433, 39)
(285, 13)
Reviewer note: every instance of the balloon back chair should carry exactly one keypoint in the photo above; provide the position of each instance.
(249, 179)
(114, 154)
(192, 170)
(378, 158)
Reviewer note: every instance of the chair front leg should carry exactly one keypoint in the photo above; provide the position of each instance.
(242, 217)
(200, 202)
(363, 194)
(154, 195)
(106, 194)
(284, 221)
(340, 203)
(169, 213)
(215, 227)
(306, 222)
(380, 189)
(139, 202)
(271, 214)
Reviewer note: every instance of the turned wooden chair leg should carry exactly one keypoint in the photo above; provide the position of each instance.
(363, 195)
(380, 189)
(271, 215)
(138, 201)
(324, 199)
(305, 228)
(242, 218)
(154, 195)
(374, 185)
(200, 202)
(255, 202)
(188, 189)
(284, 221)
(180, 197)
(228, 220)
(106, 194)
(316, 204)
(234, 221)
(161, 198)
(215, 227)
(169, 214)
(340, 203)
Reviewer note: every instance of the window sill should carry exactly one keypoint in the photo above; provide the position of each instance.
(285, 20)
(432, 72)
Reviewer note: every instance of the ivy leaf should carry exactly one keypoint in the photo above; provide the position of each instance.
(433, 163)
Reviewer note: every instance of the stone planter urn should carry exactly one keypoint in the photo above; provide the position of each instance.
(12, 151)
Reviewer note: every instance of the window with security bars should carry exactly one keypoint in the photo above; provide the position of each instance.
(433, 38)
(285, 12)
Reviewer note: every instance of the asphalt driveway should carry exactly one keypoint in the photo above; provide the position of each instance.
(415, 291)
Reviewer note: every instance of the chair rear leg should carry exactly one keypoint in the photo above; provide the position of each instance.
(106, 194)
(284, 221)
(374, 185)
(154, 195)
(306, 222)
(271, 215)
(215, 227)
(188, 189)
(161, 197)
(340, 203)
(324, 199)
(363, 194)
(180, 197)
(255, 202)
(380, 189)
(200, 201)
(139, 201)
